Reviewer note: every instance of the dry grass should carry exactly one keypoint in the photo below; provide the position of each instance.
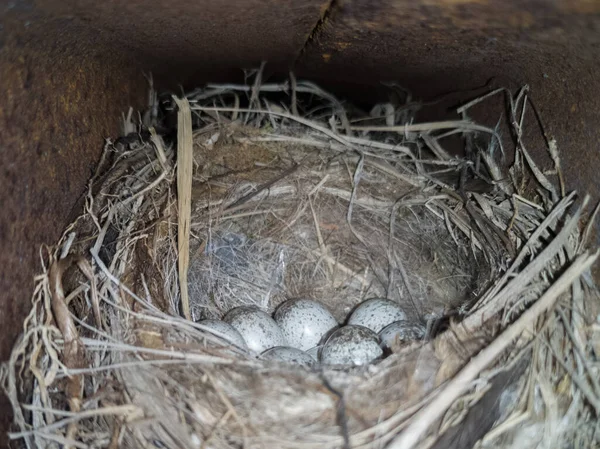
(294, 199)
(184, 197)
(319, 223)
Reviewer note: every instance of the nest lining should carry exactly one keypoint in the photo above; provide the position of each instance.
(294, 199)
(293, 238)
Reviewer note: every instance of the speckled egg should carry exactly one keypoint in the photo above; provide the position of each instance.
(314, 352)
(351, 345)
(288, 355)
(225, 331)
(259, 330)
(401, 331)
(304, 322)
(376, 314)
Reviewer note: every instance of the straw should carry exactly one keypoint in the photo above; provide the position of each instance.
(184, 196)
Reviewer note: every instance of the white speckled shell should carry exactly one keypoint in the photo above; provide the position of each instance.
(351, 345)
(225, 331)
(304, 322)
(376, 314)
(314, 352)
(400, 331)
(288, 355)
(259, 330)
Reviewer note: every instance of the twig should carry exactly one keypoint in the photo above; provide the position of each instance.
(254, 101)
(582, 357)
(65, 441)
(320, 240)
(73, 353)
(527, 249)
(125, 410)
(262, 188)
(340, 413)
(301, 120)
(462, 125)
(88, 271)
(435, 147)
(222, 421)
(230, 407)
(588, 392)
(355, 183)
(67, 245)
(187, 356)
(555, 156)
(477, 100)
(462, 381)
(587, 232)
(185, 165)
(293, 88)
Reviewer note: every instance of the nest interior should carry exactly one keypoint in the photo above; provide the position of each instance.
(272, 221)
(267, 191)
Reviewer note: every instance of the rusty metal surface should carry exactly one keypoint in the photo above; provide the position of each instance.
(193, 41)
(59, 101)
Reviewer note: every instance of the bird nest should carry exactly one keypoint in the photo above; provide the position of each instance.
(276, 191)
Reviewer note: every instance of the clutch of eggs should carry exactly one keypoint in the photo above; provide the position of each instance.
(303, 331)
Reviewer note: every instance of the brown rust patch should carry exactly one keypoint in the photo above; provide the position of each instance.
(59, 103)
(580, 6)
(58, 109)
(193, 41)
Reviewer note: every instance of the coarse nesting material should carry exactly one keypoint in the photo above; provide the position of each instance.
(278, 218)
(293, 194)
